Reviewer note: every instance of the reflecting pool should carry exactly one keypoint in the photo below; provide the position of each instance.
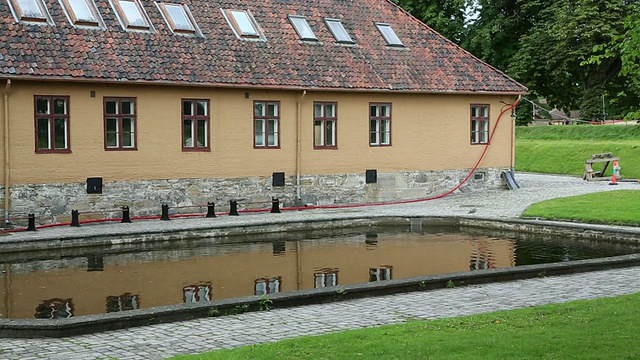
(78, 282)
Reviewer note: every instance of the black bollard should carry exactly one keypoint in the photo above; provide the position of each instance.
(165, 212)
(211, 210)
(32, 222)
(75, 218)
(275, 206)
(126, 218)
(233, 208)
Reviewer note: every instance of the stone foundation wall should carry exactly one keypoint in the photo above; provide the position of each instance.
(52, 203)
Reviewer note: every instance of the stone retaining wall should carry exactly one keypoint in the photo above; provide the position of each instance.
(52, 203)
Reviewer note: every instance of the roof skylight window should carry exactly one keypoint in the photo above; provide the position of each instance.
(178, 17)
(302, 27)
(131, 14)
(338, 31)
(30, 10)
(389, 35)
(243, 24)
(81, 12)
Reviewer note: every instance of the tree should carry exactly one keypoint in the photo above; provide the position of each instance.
(630, 45)
(447, 17)
(551, 56)
(630, 57)
(494, 36)
(554, 47)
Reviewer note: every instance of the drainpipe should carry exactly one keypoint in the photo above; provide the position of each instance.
(513, 137)
(298, 142)
(6, 152)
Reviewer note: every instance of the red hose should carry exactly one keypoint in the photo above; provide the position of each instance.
(343, 206)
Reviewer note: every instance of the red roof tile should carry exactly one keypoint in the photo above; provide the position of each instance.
(428, 63)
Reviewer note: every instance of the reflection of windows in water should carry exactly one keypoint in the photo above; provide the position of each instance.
(196, 293)
(381, 273)
(480, 264)
(326, 278)
(267, 285)
(481, 257)
(123, 302)
(55, 309)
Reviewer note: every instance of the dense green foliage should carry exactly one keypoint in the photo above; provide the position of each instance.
(630, 45)
(573, 53)
(626, 47)
(595, 329)
(610, 207)
(495, 35)
(447, 17)
(551, 55)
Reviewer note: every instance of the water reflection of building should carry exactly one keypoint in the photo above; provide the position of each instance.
(54, 309)
(123, 302)
(163, 277)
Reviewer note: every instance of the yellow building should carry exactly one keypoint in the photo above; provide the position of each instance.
(140, 103)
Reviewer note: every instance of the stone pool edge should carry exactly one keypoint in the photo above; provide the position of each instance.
(154, 232)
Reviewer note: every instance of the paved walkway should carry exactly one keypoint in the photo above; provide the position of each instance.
(166, 340)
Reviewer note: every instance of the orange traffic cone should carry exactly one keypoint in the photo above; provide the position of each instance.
(614, 173)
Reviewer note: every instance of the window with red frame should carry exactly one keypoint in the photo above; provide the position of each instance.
(52, 124)
(479, 124)
(324, 125)
(266, 123)
(195, 125)
(380, 124)
(120, 124)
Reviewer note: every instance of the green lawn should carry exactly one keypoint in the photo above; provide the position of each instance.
(568, 156)
(596, 329)
(564, 149)
(610, 207)
(579, 132)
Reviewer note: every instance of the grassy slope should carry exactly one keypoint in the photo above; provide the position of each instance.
(563, 149)
(595, 329)
(579, 132)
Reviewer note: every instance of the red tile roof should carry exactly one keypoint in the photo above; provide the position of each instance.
(428, 63)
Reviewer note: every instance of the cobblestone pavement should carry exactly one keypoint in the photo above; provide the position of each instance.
(194, 336)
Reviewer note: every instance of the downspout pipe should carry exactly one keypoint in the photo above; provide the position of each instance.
(298, 143)
(6, 152)
(513, 135)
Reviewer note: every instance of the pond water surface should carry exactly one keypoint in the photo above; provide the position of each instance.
(91, 281)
